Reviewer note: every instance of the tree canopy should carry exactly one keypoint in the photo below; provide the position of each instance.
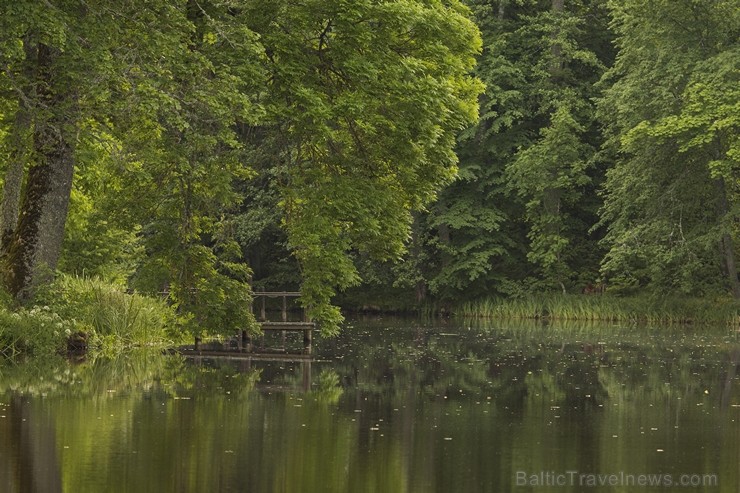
(162, 113)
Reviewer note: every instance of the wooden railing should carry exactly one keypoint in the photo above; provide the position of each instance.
(306, 326)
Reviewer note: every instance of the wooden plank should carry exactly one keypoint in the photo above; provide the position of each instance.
(276, 294)
(287, 325)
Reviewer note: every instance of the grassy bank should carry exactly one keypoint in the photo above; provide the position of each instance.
(86, 312)
(653, 310)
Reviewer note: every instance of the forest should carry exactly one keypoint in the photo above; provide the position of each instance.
(163, 160)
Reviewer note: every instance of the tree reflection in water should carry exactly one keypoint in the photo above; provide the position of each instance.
(382, 408)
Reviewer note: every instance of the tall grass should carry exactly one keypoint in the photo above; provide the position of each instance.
(111, 319)
(35, 331)
(111, 315)
(654, 310)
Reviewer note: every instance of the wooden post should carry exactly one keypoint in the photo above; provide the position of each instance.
(246, 341)
(306, 367)
(285, 308)
(263, 313)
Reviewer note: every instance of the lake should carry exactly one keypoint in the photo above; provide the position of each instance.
(392, 405)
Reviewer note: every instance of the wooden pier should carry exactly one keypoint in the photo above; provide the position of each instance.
(284, 325)
(244, 340)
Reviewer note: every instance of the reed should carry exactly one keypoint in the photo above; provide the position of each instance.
(113, 316)
(606, 308)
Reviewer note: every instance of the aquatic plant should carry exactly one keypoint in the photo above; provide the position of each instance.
(663, 310)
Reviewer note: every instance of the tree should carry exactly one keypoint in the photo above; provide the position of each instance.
(366, 99)
(356, 105)
(550, 172)
(60, 63)
(193, 106)
(154, 91)
(671, 115)
(36, 47)
(518, 216)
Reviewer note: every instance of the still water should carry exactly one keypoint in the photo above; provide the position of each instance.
(390, 406)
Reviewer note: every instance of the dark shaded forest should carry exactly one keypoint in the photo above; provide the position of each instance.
(376, 154)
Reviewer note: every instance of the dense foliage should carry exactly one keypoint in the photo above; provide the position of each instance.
(199, 150)
(151, 123)
(605, 157)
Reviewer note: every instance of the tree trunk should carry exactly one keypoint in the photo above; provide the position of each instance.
(728, 249)
(551, 198)
(14, 178)
(35, 247)
(20, 146)
(558, 6)
(417, 235)
(729, 255)
(443, 234)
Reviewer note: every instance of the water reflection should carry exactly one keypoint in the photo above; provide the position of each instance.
(389, 406)
(33, 463)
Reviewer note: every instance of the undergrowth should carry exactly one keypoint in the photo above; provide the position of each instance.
(110, 318)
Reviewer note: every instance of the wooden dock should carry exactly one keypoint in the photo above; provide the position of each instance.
(244, 340)
(305, 325)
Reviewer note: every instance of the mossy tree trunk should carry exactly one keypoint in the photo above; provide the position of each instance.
(9, 209)
(35, 245)
(19, 155)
